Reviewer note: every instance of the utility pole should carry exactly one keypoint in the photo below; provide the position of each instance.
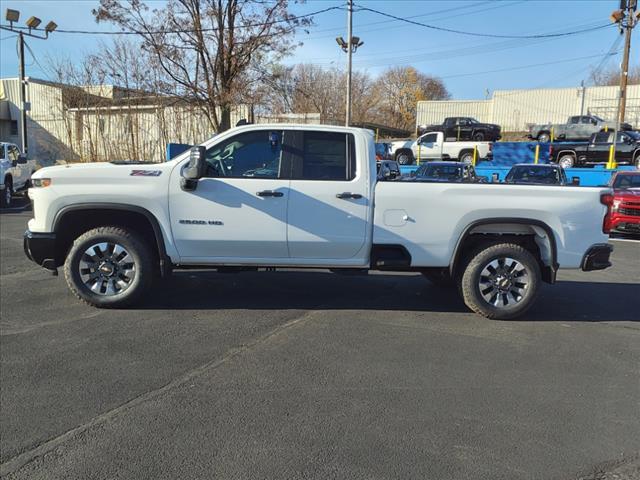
(32, 23)
(23, 101)
(347, 121)
(584, 91)
(624, 74)
(349, 47)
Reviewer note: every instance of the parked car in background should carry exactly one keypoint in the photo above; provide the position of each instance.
(625, 211)
(433, 146)
(596, 151)
(536, 174)
(15, 171)
(579, 127)
(446, 172)
(464, 128)
(383, 151)
(387, 170)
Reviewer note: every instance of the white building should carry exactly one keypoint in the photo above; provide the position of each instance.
(101, 122)
(515, 110)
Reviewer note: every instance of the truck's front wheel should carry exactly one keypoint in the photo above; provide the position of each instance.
(109, 267)
(404, 157)
(501, 281)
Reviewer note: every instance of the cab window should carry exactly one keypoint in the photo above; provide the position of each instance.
(574, 120)
(255, 154)
(430, 138)
(326, 156)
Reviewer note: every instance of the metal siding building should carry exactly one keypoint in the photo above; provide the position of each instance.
(515, 110)
(100, 122)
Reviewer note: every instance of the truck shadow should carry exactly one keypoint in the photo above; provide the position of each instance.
(300, 290)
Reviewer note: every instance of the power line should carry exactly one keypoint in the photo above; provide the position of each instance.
(193, 30)
(522, 67)
(476, 34)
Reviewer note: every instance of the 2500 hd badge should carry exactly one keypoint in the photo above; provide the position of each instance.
(200, 222)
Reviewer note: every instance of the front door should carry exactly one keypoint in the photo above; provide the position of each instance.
(239, 210)
(328, 201)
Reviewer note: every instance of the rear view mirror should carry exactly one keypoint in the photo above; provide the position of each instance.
(195, 169)
(575, 181)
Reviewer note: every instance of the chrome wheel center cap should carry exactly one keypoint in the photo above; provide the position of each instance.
(107, 269)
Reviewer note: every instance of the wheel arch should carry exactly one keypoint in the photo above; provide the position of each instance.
(521, 230)
(564, 152)
(73, 220)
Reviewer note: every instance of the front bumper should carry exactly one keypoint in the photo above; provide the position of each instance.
(41, 249)
(597, 257)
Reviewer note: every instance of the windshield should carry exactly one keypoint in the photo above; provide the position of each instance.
(626, 181)
(449, 172)
(597, 118)
(548, 176)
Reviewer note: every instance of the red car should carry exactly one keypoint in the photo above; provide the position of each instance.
(625, 209)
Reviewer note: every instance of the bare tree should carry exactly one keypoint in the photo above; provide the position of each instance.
(612, 76)
(400, 89)
(206, 47)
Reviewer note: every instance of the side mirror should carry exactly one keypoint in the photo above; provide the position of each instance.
(495, 177)
(22, 158)
(413, 173)
(195, 169)
(386, 172)
(575, 181)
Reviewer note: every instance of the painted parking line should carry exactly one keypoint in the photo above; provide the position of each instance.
(632, 240)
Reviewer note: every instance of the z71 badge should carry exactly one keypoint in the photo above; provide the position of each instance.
(146, 173)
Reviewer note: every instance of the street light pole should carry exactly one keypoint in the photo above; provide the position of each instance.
(32, 23)
(349, 62)
(624, 74)
(23, 101)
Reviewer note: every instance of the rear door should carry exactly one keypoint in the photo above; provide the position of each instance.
(328, 204)
(598, 150)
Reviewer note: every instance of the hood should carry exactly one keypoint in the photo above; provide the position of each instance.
(103, 172)
(627, 193)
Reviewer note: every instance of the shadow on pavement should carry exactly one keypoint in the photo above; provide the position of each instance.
(565, 301)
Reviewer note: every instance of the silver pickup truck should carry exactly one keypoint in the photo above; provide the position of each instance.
(579, 127)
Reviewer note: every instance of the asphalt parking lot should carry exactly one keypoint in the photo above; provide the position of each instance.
(315, 375)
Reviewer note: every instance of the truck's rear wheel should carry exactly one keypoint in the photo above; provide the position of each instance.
(544, 137)
(404, 158)
(566, 160)
(501, 281)
(466, 157)
(109, 267)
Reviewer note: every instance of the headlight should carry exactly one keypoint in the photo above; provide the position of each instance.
(40, 182)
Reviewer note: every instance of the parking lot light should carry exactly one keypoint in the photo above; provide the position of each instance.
(33, 22)
(12, 15)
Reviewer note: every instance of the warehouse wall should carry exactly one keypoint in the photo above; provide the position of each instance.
(516, 109)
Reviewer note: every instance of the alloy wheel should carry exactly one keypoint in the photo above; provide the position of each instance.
(107, 268)
(503, 282)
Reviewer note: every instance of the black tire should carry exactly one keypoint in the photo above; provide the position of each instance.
(567, 160)
(466, 157)
(404, 158)
(478, 136)
(527, 272)
(544, 137)
(636, 161)
(439, 277)
(132, 244)
(7, 194)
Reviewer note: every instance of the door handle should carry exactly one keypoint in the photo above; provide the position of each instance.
(348, 195)
(269, 193)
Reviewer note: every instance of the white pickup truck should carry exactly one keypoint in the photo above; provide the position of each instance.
(270, 196)
(432, 146)
(15, 171)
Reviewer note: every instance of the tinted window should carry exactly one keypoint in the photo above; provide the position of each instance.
(449, 172)
(573, 120)
(602, 137)
(626, 181)
(254, 154)
(327, 156)
(587, 120)
(430, 138)
(534, 175)
(1, 151)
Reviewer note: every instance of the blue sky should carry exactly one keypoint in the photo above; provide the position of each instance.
(468, 65)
